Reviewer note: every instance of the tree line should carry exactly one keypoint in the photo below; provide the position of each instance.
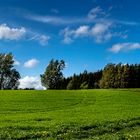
(112, 76)
(121, 76)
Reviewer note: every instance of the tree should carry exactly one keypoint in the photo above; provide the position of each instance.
(125, 80)
(108, 77)
(70, 85)
(74, 83)
(53, 75)
(64, 82)
(9, 77)
(85, 80)
(118, 76)
(84, 85)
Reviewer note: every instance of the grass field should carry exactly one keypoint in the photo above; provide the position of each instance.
(82, 114)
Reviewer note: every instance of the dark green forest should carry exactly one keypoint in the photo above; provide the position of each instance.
(112, 76)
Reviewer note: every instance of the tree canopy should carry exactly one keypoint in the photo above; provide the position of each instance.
(53, 75)
(9, 77)
(121, 76)
(84, 80)
(112, 76)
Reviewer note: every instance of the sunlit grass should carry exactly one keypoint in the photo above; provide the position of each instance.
(82, 114)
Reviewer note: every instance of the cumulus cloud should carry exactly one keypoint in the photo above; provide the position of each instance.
(100, 28)
(97, 24)
(67, 35)
(82, 31)
(100, 32)
(124, 47)
(31, 63)
(70, 34)
(8, 33)
(42, 39)
(31, 82)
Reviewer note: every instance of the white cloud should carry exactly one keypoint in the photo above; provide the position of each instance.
(100, 28)
(8, 33)
(101, 32)
(42, 39)
(124, 47)
(31, 82)
(103, 29)
(31, 63)
(16, 63)
(81, 31)
(69, 34)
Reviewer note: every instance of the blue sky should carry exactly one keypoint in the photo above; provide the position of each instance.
(86, 34)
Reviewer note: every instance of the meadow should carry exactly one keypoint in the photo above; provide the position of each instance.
(112, 114)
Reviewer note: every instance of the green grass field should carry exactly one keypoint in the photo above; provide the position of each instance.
(82, 114)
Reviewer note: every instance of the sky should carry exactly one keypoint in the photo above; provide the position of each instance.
(86, 34)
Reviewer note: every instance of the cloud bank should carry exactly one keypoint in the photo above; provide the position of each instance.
(31, 82)
(8, 33)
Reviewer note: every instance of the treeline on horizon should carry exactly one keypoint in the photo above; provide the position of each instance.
(112, 76)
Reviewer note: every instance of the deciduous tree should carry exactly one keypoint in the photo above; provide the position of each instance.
(9, 77)
(53, 75)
